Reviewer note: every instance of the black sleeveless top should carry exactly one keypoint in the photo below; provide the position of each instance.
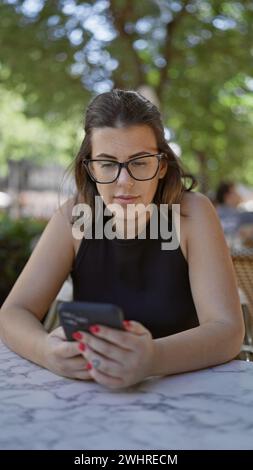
(150, 284)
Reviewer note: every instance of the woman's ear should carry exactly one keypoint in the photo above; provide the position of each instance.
(163, 168)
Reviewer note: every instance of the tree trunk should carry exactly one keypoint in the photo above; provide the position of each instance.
(203, 172)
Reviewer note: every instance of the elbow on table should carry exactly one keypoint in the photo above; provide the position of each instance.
(234, 336)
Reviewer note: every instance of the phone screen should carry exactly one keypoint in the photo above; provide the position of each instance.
(79, 316)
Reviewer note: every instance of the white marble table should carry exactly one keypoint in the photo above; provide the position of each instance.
(209, 409)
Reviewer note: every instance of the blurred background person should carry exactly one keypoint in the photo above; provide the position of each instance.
(235, 220)
(227, 202)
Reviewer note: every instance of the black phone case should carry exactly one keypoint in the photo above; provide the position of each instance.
(79, 316)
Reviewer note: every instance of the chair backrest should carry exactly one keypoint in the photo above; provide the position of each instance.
(243, 265)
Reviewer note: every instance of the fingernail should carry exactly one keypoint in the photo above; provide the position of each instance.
(77, 335)
(89, 366)
(81, 346)
(94, 329)
(126, 323)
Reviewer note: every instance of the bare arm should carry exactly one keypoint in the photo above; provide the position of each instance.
(219, 337)
(33, 293)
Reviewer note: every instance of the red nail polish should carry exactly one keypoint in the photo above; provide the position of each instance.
(126, 323)
(82, 346)
(77, 335)
(94, 329)
(89, 366)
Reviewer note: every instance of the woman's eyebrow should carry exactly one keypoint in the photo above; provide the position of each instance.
(105, 155)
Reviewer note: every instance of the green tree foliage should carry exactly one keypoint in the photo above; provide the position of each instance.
(16, 240)
(31, 137)
(196, 54)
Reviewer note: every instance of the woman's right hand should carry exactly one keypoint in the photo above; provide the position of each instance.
(64, 357)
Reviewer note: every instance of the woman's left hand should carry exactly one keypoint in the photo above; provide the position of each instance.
(118, 358)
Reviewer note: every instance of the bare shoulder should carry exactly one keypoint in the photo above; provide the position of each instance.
(198, 212)
(195, 204)
(201, 227)
(66, 208)
(199, 220)
(66, 211)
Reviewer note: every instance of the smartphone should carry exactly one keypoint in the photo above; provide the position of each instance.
(79, 316)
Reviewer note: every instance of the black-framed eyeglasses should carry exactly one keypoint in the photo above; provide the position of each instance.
(141, 168)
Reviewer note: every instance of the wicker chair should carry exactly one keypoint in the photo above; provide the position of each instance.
(243, 265)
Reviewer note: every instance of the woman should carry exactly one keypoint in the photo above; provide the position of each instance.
(181, 306)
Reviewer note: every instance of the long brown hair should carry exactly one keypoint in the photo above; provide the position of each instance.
(123, 108)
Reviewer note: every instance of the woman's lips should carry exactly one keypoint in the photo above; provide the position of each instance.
(126, 199)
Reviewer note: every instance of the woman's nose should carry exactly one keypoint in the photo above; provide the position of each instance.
(124, 177)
